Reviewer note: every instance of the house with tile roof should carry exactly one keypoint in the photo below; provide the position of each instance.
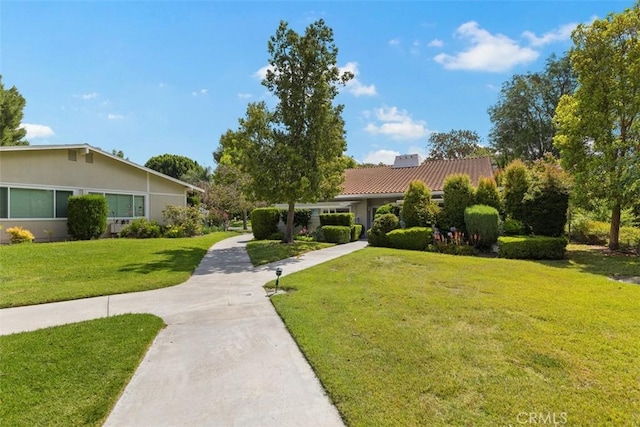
(37, 180)
(364, 190)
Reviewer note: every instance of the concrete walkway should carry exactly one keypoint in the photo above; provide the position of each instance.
(225, 357)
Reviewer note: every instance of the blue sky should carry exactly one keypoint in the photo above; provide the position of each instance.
(158, 77)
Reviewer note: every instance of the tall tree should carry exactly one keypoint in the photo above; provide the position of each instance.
(294, 152)
(599, 125)
(523, 116)
(456, 144)
(172, 165)
(11, 106)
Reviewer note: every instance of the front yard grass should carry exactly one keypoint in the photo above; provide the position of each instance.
(414, 338)
(71, 375)
(266, 251)
(48, 272)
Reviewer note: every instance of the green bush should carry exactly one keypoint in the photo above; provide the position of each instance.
(141, 228)
(418, 210)
(393, 208)
(532, 247)
(344, 219)
(482, 223)
(414, 238)
(336, 233)
(458, 195)
(264, 222)
(301, 217)
(190, 219)
(381, 226)
(512, 227)
(87, 216)
(545, 205)
(516, 183)
(590, 232)
(487, 193)
(356, 232)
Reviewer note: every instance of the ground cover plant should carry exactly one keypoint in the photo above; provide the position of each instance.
(419, 338)
(266, 251)
(48, 272)
(71, 375)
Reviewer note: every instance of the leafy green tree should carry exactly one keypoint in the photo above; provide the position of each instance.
(516, 181)
(418, 210)
(11, 106)
(456, 144)
(599, 125)
(523, 116)
(294, 153)
(487, 193)
(172, 165)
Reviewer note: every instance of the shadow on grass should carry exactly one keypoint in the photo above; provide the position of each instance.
(598, 260)
(176, 260)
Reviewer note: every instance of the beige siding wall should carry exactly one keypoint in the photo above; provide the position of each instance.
(157, 203)
(57, 227)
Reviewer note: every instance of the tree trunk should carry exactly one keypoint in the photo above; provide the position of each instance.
(288, 234)
(245, 216)
(614, 231)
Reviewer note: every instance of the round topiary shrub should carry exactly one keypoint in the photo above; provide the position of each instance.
(381, 226)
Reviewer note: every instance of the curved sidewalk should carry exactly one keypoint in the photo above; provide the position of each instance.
(225, 357)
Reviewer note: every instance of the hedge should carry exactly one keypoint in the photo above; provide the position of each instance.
(356, 232)
(531, 247)
(336, 233)
(381, 226)
(87, 216)
(344, 219)
(414, 238)
(482, 223)
(264, 222)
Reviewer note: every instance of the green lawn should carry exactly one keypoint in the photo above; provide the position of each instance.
(415, 338)
(71, 375)
(266, 251)
(48, 272)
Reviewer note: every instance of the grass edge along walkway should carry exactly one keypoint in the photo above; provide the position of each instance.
(411, 338)
(71, 374)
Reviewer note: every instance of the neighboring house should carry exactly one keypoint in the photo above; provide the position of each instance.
(366, 189)
(35, 182)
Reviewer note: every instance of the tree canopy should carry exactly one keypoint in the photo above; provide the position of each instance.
(599, 125)
(294, 152)
(523, 116)
(172, 165)
(11, 105)
(456, 144)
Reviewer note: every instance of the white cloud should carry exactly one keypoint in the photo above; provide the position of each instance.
(354, 85)
(201, 92)
(487, 52)
(435, 43)
(37, 131)
(394, 42)
(262, 72)
(114, 116)
(87, 96)
(381, 156)
(397, 124)
(559, 34)
(244, 95)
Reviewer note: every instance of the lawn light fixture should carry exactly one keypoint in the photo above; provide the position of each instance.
(278, 274)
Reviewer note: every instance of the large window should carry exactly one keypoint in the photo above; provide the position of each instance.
(33, 203)
(125, 205)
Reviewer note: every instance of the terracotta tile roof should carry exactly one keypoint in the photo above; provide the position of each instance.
(387, 180)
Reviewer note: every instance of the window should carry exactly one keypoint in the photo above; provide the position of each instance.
(336, 210)
(125, 205)
(61, 203)
(29, 203)
(4, 202)
(138, 202)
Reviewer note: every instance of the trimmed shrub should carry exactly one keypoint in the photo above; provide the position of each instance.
(532, 247)
(19, 235)
(381, 226)
(87, 216)
(301, 217)
(141, 228)
(482, 225)
(356, 232)
(264, 222)
(415, 238)
(546, 202)
(516, 183)
(418, 210)
(393, 208)
(190, 219)
(336, 233)
(487, 193)
(458, 195)
(344, 219)
(512, 227)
